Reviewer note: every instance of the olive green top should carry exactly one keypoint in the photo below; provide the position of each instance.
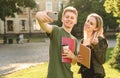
(56, 68)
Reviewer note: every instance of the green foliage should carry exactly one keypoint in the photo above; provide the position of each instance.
(113, 6)
(9, 7)
(26, 3)
(115, 61)
(109, 54)
(86, 7)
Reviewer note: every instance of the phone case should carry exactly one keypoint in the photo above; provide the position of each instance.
(52, 15)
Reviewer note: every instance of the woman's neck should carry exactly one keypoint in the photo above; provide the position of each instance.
(88, 35)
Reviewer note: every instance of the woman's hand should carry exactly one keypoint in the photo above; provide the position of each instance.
(79, 58)
(95, 39)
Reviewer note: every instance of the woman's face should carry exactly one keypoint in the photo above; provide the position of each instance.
(90, 24)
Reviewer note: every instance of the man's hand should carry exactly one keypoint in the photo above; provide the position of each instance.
(43, 17)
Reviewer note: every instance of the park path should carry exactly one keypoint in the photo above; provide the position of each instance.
(14, 57)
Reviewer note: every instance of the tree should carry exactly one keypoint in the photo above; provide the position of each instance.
(86, 7)
(113, 6)
(10, 7)
(108, 19)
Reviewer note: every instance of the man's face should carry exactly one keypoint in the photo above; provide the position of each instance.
(69, 19)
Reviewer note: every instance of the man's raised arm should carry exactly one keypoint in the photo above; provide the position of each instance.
(43, 20)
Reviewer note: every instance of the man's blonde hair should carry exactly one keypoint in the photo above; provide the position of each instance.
(70, 9)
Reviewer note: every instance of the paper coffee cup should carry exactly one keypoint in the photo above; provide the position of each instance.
(65, 48)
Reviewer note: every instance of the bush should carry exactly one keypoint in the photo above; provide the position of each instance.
(115, 61)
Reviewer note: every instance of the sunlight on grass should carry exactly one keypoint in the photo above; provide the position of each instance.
(75, 69)
(109, 54)
(110, 72)
(40, 71)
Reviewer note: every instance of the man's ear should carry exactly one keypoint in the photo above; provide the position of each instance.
(62, 19)
(76, 21)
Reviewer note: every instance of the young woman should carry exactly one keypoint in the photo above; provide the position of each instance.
(95, 40)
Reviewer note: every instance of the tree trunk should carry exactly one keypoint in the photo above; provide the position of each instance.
(4, 36)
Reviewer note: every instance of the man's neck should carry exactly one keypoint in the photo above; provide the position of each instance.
(67, 29)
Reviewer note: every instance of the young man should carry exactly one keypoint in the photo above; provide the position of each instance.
(57, 68)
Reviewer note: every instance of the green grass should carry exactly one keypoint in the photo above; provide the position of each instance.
(108, 54)
(40, 71)
(110, 72)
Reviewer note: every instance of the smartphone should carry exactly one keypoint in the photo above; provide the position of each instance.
(53, 15)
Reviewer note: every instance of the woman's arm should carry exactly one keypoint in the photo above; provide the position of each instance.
(99, 50)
